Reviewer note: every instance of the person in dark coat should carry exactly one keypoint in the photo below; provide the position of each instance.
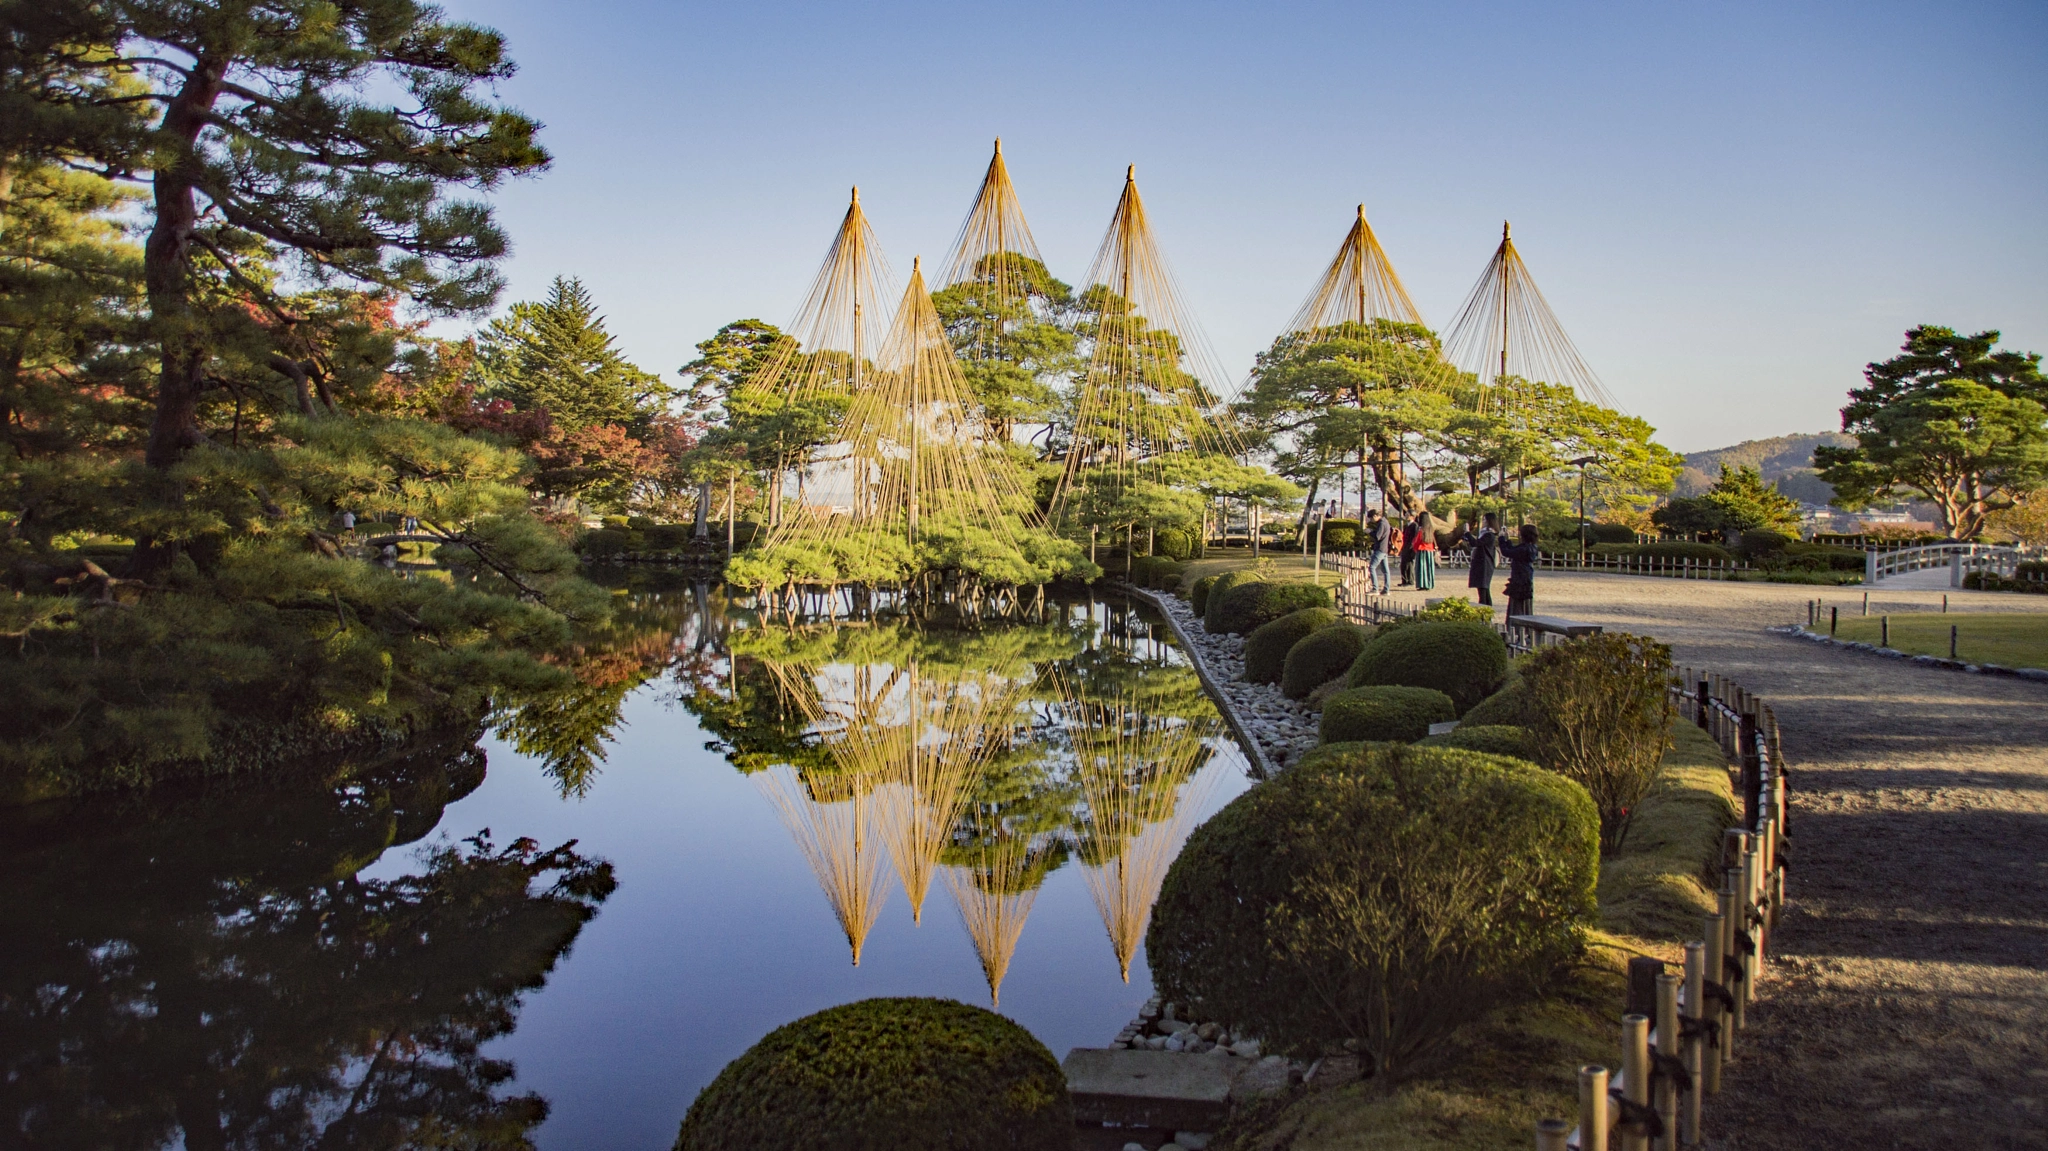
(1408, 553)
(1521, 557)
(1483, 544)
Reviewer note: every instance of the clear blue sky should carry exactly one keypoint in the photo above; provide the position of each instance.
(1732, 207)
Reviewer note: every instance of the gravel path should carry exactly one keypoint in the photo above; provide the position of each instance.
(1908, 1005)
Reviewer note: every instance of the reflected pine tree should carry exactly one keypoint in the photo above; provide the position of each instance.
(212, 971)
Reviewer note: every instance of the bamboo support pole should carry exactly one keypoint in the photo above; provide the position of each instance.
(1714, 1023)
(1731, 912)
(1693, 1047)
(1553, 1135)
(1635, 1078)
(1666, 1093)
(1593, 1122)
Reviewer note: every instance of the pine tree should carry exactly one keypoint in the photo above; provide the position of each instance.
(556, 356)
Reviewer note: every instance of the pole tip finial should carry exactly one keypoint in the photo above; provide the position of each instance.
(1130, 173)
(915, 264)
(1503, 229)
(856, 193)
(999, 145)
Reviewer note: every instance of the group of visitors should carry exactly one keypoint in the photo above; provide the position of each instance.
(1417, 549)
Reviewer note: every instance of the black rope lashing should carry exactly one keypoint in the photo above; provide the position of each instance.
(1670, 1067)
(1638, 1115)
(1745, 942)
(1693, 1027)
(1720, 992)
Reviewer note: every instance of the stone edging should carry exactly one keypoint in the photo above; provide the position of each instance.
(1795, 631)
(1257, 713)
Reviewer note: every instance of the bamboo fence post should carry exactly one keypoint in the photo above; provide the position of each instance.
(1666, 1100)
(1693, 1046)
(1731, 963)
(1593, 1108)
(1635, 1078)
(1716, 1033)
(1553, 1135)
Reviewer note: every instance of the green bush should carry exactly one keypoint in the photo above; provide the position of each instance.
(1340, 535)
(1493, 739)
(1602, 718)
(1449, 608)
(1763, 543)
(1221, 588)
(639, 523)
(1173, 543)
(668, 537)
(1320, 657)
(1248, 606)
(1152, 571)
(1198, 595)
(1400, 714)
(619, 522)
(1377, 896)
(1511, 706)
(1266, 648)
(1463, 659)
(1821, 557)
(886, 1074)
(1610, 534)
(602, 542)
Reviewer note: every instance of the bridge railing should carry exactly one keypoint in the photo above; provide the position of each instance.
(1959, 558)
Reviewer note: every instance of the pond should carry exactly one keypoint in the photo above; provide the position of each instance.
(768, 817)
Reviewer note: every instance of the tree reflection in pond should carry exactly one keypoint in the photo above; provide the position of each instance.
(211, 971)
(993, 753)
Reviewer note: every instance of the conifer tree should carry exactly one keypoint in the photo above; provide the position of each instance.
(555, 355)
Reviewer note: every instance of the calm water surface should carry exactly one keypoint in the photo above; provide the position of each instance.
(769, 798)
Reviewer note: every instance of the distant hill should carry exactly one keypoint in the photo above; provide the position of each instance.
(1785, 459)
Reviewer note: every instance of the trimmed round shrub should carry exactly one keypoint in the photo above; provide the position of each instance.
(1448, 608)
(1339, 535)
(1399, 714)
(1762, 543)
(602, 542)
(1511, 706)
(1382, 896)
(1465, 660)
(1610, 534)
(1173, 543)
(1602, 718)
(1320, 657)
(1247, 606)
(1198, 595)
(1154, 572)
(668, 537)
(1265, 650)
(1221, 588)
(886, 1074)
(1493, 739)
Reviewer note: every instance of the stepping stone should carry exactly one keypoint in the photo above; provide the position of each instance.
(1149, 1088)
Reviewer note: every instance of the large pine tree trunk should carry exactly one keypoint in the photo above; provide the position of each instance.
(167, 271)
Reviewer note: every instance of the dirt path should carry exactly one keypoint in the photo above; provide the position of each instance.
(1908, 1006)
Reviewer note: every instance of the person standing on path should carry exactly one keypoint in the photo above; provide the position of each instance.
(1380, 534)
(1521, 557)
(1425, 548)
(1483, 544)
(1408, 553)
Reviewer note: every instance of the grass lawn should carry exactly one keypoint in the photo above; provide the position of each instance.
(2008, 639)
(1286, 565)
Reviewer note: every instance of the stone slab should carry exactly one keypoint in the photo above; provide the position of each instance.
(1165, 1089)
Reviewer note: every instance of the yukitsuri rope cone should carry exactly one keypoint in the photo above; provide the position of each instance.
(1149, 400)
(1359, 286)
(1507, 336)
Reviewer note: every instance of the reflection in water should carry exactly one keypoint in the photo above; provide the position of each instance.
(211, 971)
(991, 755)
(1134, 769)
